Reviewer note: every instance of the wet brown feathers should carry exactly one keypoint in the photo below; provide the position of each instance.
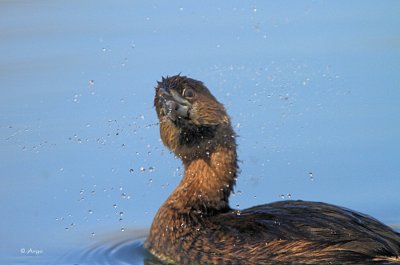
(195, 225)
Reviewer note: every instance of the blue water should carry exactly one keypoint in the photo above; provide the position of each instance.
(312, 88)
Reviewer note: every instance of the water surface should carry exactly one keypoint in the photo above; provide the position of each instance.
(312, 88)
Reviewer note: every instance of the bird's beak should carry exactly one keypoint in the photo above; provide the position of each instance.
(173, 105)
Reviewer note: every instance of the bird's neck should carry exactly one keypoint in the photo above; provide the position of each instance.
(207, 183)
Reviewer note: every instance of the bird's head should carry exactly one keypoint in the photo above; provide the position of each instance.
(192, 121)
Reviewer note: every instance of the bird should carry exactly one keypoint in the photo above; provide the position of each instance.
(196, 225)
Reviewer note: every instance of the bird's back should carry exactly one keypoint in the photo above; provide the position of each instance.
(297, 232)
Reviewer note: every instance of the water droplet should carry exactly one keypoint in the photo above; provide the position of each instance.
(121, 213)
(289, 195)
(151, 180)
(151, 169)
(90, 211)
(115, 205)
(282, 196)
(122, 229)
(142, 169)
(311, 176)
(93, 234)
(131, 170)
(91, 82)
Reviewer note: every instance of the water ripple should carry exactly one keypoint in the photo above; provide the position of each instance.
(115, 250)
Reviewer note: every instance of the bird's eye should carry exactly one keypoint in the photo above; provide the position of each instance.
(188, 93)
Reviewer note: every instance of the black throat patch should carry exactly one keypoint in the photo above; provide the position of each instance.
(192, 135)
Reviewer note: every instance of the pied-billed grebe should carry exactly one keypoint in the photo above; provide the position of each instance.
(195, 225)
